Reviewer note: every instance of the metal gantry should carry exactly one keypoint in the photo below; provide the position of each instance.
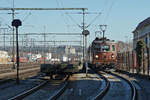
(43, 8)
(13, 13)
(4, 30)
(35, 9)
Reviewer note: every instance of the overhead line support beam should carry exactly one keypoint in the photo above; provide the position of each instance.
(46, 34)
(43, 8)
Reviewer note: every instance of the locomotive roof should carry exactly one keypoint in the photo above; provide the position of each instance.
(100, 40)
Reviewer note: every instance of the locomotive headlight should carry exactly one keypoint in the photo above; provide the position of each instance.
(112, 56)
(96, 56)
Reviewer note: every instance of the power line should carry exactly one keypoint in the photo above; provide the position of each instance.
(109, 10)
(26, 16)
(84, 14)
(59, 5)
(93, 20)
(74, 20)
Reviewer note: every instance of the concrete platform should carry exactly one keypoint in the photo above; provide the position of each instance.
(82, 87)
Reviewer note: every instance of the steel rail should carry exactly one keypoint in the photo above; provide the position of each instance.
(133, 88)
(101, 94)
(61, 91)
(36, 88)
(28, 92)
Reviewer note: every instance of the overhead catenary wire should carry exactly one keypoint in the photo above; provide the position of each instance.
(109, 11)
(63, 15)
(26, 17)
(93, 20)
(102, 13)
(106, 11)
(104, 5)
(74, 21)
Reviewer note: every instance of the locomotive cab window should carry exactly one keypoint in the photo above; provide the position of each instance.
(105, 48)
(113, 47)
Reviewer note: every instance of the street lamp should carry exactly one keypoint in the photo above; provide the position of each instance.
(16, 23)
(85, 33)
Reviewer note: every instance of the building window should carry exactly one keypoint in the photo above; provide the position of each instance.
(113, 47)
(146, 41)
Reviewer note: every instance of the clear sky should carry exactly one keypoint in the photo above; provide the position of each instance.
(121, 16)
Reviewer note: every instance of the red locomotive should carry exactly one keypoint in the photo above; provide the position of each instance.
(103, 53)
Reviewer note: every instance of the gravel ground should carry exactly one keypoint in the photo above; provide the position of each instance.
(47, 91)
(82, 87)
(142, 85)
(119, 89)
(11, 89)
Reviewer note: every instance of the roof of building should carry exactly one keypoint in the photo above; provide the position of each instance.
(142, 24)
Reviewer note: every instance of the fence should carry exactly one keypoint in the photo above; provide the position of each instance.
(127, 61)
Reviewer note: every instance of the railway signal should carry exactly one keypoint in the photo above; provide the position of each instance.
(16, 23)
(85, 32)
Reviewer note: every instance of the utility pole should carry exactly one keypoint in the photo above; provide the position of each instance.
(4, 40)
(13, 32)
(83, 27)
(44, 45)
(4, 33)
(32, 48)
(55, 52)
(85, 33)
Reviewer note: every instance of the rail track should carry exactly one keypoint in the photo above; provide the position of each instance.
(60, 92)
(27, 93)
(133, 88)
(106, 88)
(101, 94)
(82, 87)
